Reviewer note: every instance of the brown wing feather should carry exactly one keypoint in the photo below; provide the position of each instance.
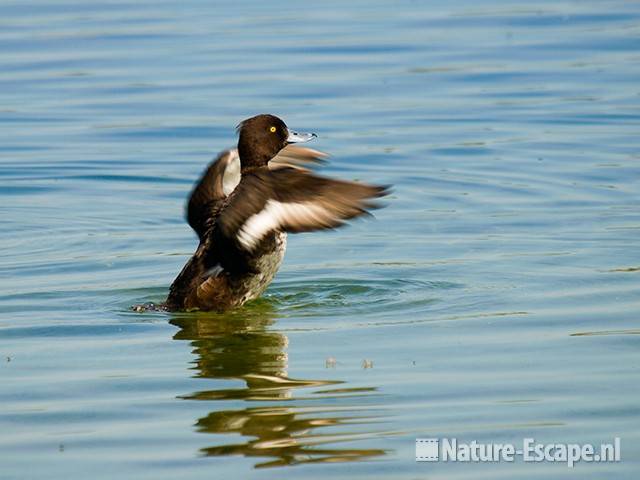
(298, 157)
(327, 202)
(293, 200)
(208, 193)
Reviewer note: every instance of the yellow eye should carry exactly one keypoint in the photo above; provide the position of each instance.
(272, 129)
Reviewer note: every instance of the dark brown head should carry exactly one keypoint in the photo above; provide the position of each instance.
(262, 137)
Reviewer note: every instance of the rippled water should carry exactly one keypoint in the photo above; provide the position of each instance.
(495, 298)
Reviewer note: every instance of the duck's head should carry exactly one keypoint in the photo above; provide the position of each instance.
(262, 137)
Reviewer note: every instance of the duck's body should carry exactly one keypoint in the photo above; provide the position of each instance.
(215, 278)
(242, 208)
(199, 288)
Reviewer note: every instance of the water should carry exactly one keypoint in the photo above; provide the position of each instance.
(495, 298)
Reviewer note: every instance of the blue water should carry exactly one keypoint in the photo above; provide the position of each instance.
(496, 297)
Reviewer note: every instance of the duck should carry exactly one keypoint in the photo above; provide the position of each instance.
(246, 202)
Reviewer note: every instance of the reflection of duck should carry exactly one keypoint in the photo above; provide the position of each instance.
(242, 332)
(242, 347)
(281, 434)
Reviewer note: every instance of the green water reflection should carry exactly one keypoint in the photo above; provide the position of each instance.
(289, 424)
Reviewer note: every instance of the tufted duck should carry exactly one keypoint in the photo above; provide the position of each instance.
(244, 205)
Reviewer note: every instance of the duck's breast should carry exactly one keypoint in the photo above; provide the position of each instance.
(266, 264)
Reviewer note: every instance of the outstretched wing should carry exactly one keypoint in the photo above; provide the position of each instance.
(295, 156)
(223, 175)
(212, 189)
(294, 201)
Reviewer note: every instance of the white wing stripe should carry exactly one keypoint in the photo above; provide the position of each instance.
(275, 214)
(231, 174)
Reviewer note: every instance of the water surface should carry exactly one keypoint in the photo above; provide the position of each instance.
(495, 298)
